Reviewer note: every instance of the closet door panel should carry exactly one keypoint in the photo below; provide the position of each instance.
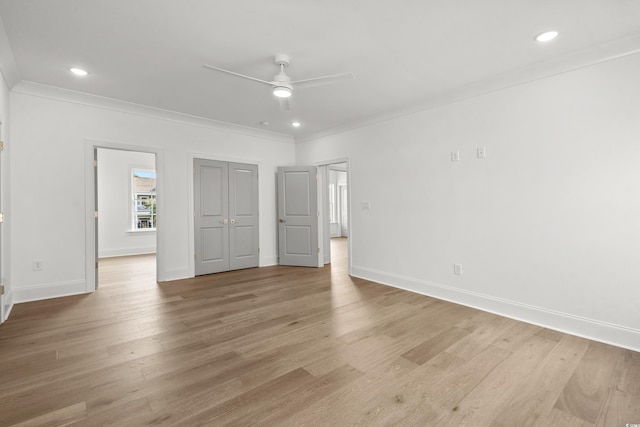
(243, 215)
(211, 188)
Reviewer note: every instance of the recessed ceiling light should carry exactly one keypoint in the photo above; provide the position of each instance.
(264, 123)
(295, 124)
(78, 72)
(547, 36)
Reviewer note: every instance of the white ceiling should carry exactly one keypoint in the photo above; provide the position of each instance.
(404, 53)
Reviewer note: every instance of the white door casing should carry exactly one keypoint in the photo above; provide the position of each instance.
(298, 216)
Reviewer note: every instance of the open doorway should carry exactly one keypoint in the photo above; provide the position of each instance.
(127, 218)
(337, 199)
(335, 209)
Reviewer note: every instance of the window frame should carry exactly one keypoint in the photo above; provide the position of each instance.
(134, 213)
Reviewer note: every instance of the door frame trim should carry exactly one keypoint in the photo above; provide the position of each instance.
(90, 229)
(191, 156)
(6, 300)
(328, 163)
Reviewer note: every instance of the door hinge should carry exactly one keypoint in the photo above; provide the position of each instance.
(95, 163)
(1, 217)
(318, 250)
(95, 214)
(318, 213)
(1, 145)
(96, 265)
(1, 289)
(317, 177)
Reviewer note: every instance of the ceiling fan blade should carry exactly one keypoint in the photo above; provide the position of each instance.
(285, 103)
(317, 81)
(235, 74)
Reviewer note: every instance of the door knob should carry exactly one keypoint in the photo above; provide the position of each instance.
(223, 221)
(282, 220)
(233, 221)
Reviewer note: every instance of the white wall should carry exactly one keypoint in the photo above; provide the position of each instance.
(50, 132)
(547, 227)
(116, 237)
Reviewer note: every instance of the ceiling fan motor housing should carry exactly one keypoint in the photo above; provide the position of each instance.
(282, 79)
(282, 59)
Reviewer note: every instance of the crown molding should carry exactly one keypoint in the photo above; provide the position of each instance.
(82, 98)
(594, 55)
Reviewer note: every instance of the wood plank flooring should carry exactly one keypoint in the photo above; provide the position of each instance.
(284, 346)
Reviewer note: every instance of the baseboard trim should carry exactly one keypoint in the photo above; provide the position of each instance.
(48, 290)
(112, 253)
(268, 261)
(617, 335)
(178, 274)
(8, 311)
(184, 274)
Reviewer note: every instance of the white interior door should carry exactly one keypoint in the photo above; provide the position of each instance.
(243, 216)
(2, 307)
(96, 215)
(298, 216)
(211, 187)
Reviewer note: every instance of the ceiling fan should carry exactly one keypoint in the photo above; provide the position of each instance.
(283, 86)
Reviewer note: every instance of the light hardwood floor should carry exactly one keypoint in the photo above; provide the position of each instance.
(283, 346)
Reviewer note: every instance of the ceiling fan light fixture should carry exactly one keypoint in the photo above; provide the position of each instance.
(547, 36)
(282, 91)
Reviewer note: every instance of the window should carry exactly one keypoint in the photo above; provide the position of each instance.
(143, 183)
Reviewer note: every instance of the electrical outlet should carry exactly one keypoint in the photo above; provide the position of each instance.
(455, 156)
(457, 269)
(482, 152)
(37, 265)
